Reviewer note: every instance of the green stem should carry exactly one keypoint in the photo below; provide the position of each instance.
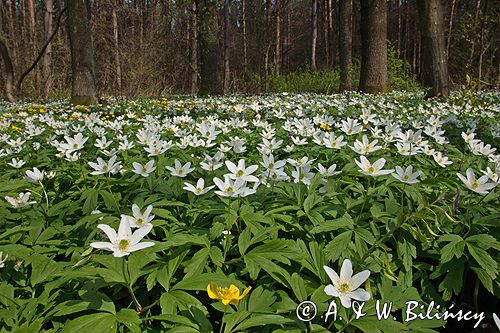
(476, 295)
(138, 306)
(222, 320)
(46, 198)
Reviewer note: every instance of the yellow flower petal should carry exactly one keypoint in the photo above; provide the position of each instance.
(213, 291)
(245, 292)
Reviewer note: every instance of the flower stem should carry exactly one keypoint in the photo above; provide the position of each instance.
(222, 320)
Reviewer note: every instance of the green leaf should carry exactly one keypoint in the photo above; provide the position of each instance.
(43, 269)
(484, 260)
(101, 322)
(262, 320)
(339, 245)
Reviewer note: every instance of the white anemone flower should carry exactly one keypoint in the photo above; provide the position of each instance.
(443, 161)
(407, 176)
(200, 187)
(21, 200)
(102, 167)
(180, 170)
(480, 185)
(2, 260)
(241, 172)
(140, 220)
(232, 188)
(328, 172)
(124, 242)
(15, 163)
(35, 175)
(374, 169)
(346, 286)
(144, 170)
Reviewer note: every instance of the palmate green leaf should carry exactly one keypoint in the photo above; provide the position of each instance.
(371, 324)
(102, 322)
(110, 200)
(261, 320)
(90, 196)
(43, 269)
(455, 247)
(234, 319)
(484, 241)
(178, 300)
(452, 283)
(345, 221)
(260, 300)
(114, 271)
(201, 281)
(338, 245)
(130, 319)
(484, 260)
(485, 279)
(263, 256)
(197, 264)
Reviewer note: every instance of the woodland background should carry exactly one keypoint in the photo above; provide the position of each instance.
(152, 47)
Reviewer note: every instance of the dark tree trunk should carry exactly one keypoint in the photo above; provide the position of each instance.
(8, 71)
(314, 38)
(373, 78)
(434, 59)
(194, 50)
(227, 72)
(277, 48)
(208, 33)
(345, 39)
(47, 70)
(83, 88)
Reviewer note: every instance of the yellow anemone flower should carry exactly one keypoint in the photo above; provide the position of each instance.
(228, 295)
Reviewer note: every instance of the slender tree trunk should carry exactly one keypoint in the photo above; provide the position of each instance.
(8, 71)
(473, 46)
(345, 39)
(118, 67)
(83, 89)
(194, 50)
(434, 60)
(245, 42)
(314, 38)
(208, 46)
(227, 72)
(407, 31)
(373, 78)
(286, 38)
(331, 39)
(326, 35)
(277, 49)
(47, 69)
(398, 7)
(450, 28)
(481, 49)
(33, 41)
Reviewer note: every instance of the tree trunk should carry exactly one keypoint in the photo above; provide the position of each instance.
(194, 50)
(32, 32)
(450, 28)
(277, 49)
(314, 38)
(9, 71)
(482, 50)
(434, 60)
(47, 69)
(373, 78)
(208, 33)
(345, 39)
(83, 88)
(331, 44)
(118, 67)
(227, 72)
(245, 43)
